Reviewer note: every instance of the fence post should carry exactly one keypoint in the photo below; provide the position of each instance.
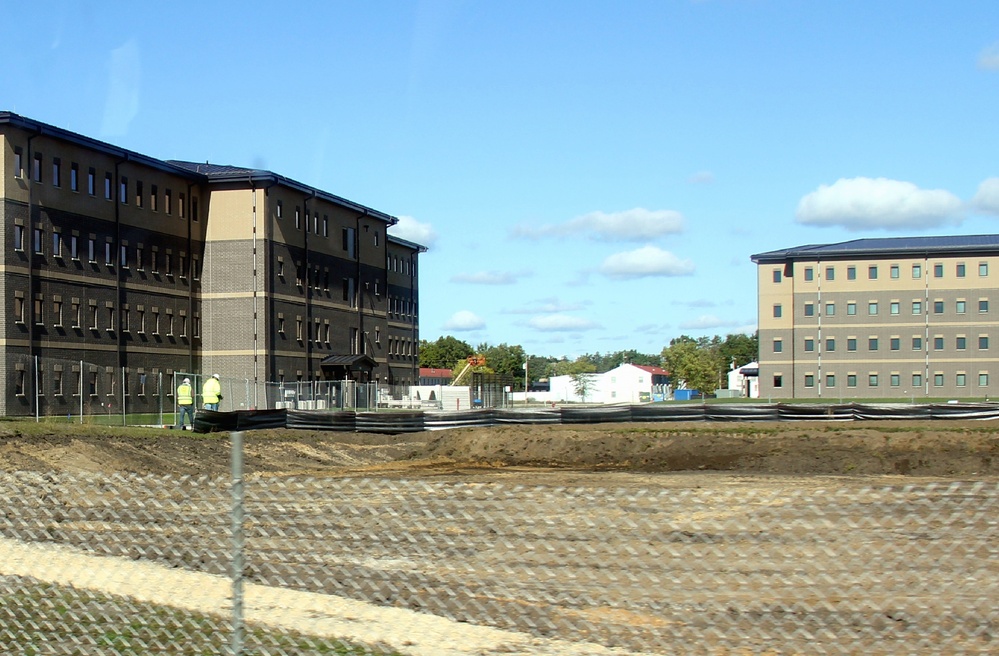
(35, 381)
(124, 422)
(237, 544)
(81, 392)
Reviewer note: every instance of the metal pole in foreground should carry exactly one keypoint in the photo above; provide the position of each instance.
(238, 628)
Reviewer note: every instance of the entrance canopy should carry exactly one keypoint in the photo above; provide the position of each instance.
(356, 367)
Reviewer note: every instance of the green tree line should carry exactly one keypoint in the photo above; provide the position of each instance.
(701, 364)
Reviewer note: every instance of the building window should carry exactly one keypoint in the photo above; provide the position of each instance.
(961, 342)
(123, 191)
(917, 307)
(18, 238)
(38, 235)
(962, 380)
(809, 380)
(138, 193)
(917, 380)
(983, 379)
(917, 271)
(180, 205)
(91, 181)
(298, 218)
(36, 174)
(983, 342)
(830, 273)
(123, 256)
(108, 259)
(893, 307)
(19, 309)
(872, 343)
(872, 308)
(107, 186)
(961, 272)
(74, 176)
(57, 312)
(75, 313)
(893, 271)
(851, 343)
(960, 306)
(938, 379)
(872, 272)
(809, 310)
(778, 346)
(195, 214)
(851, 273)
(18, 163)
(938, 343)
(830, 380)
(872, 380)
(894, 343)
(809, 345)
(809, 274)
(778, 381)
(938, 307)
(94, 316)
(778, 311)
(56, 244)
(167, 201)
(298, 328)
(983, 305)
(830, 344)
(326, 225)
(917, 343)
(851, 380)
(851, 308)
(141, 316)
(896, 380)
(983, 269)
(938, 270)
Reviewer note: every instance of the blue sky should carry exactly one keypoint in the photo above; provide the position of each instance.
(588, 176)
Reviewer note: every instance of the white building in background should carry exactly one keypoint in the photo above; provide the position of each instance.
(745, 379)
(628, 383)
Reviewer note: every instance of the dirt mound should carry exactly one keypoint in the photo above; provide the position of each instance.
(950, 449)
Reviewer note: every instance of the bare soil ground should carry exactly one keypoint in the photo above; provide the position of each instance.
(706, 538)
(935, 449)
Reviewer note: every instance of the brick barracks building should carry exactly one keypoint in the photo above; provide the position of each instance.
(140, 268)
(898, 318)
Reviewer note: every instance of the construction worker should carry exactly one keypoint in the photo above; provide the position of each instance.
(185, 400)
(211, 393)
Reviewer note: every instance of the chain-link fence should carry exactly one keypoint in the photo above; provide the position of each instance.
(614, 564)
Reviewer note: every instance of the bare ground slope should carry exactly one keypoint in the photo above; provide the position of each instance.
(943, 449)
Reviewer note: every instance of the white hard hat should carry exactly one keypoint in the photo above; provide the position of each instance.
(187, 380)
(215, 375)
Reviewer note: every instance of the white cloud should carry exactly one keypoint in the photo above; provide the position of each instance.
(988, 58)
(464, 320)
(489, 277)
(561, 323)
(637, 224)
(706, 321)
(412, 230)
(648, 261)
(987, 198)
(701, 177)
(878, 203)
(696, 303)
(123, 90)
(547, 306)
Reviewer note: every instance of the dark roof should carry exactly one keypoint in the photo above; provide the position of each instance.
(224, 173)
(356, 360)
(419, 248)
(885, 246)
(10, 118)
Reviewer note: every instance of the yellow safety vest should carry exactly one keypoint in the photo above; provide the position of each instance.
(210, 392)
(185, 395)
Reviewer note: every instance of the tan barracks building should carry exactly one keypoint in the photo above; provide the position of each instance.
(899, 318)
(126, 263)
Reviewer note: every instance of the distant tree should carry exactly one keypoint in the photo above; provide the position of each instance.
(580, 365)
(691, 365)
(739, 349)
(505, 359)
(582, 383)
(443, 353)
